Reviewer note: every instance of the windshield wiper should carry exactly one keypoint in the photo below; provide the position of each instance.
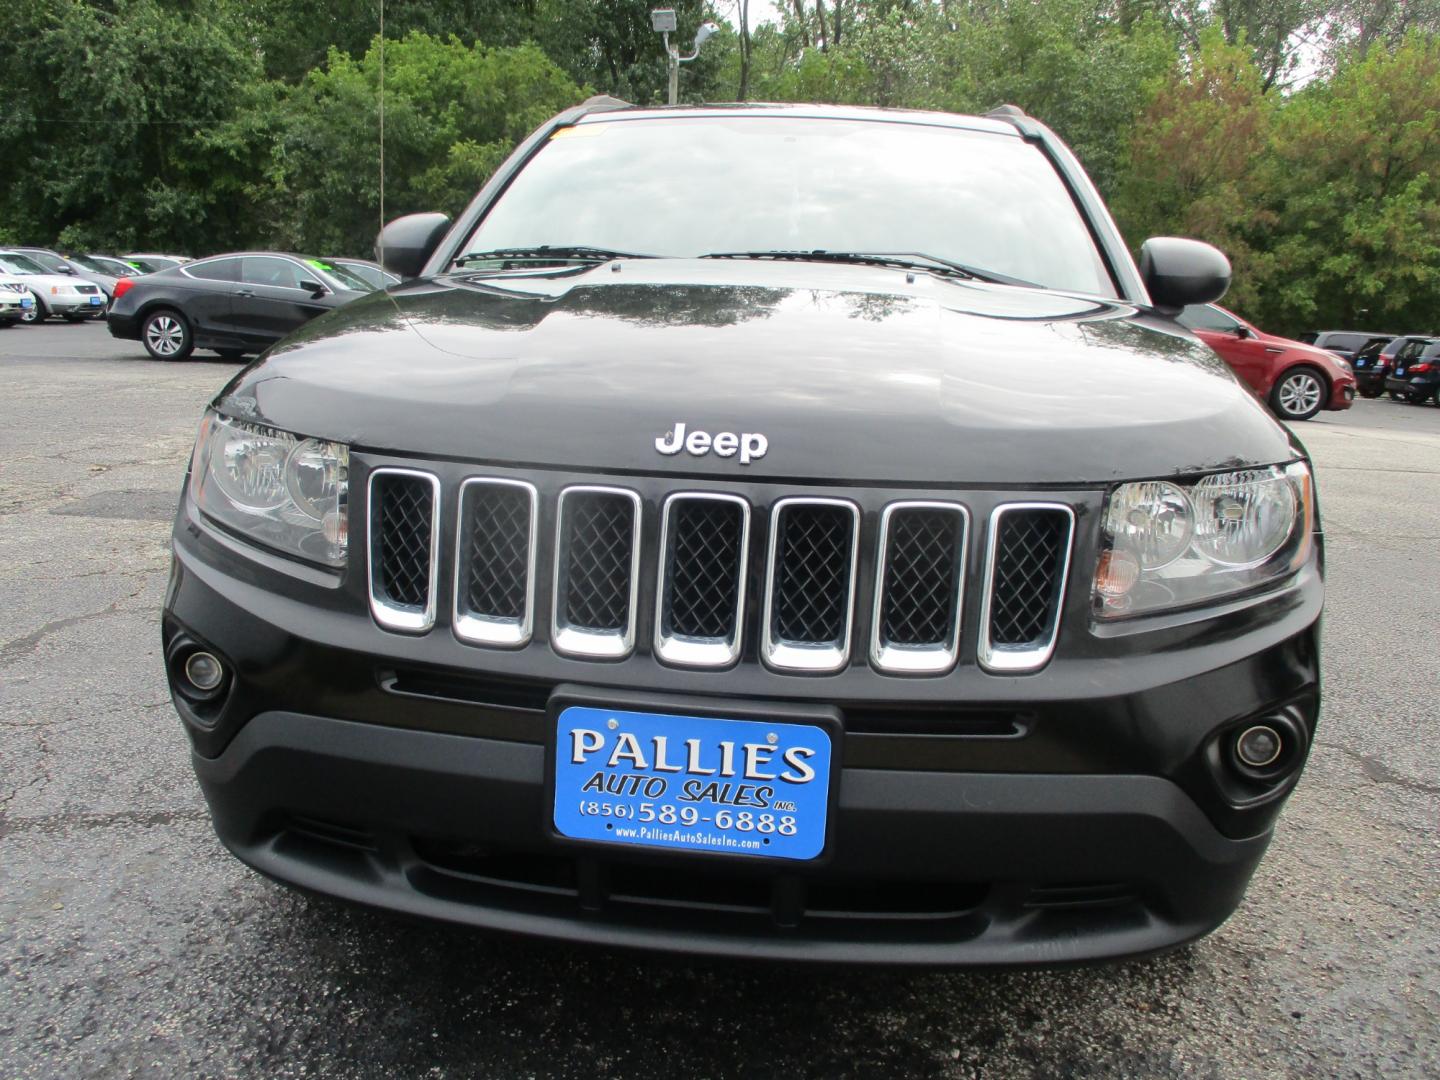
(904, 260)
(548, 253)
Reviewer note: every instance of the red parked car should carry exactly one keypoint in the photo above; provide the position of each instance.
(1297, 380)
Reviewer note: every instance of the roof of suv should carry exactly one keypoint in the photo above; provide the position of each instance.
(1006, 120)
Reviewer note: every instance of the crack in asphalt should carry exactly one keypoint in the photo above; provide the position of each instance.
(1380, 773)
(23, 646)
(55, 823)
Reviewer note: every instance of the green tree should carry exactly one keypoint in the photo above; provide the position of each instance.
(105, 117)
(1354, 181)
(1190, 165)
(452, 114)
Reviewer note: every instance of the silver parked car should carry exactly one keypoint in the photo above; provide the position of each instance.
(56, 263)
(66, 295)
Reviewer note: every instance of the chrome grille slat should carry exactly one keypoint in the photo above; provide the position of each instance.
(919, 583)
(495, 563)
(700, 591)
(810, 584)
(807, 609)
(403, 553)
(1026, 569)
(597, 571)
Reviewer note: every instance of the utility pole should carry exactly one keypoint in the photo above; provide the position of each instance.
(663, 22)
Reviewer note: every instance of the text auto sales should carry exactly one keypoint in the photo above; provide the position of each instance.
(751, 763)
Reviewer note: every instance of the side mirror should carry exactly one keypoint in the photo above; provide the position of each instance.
(1179, 272)
(314, 288)
(405, 245)
(66, 268)
(1242, 332)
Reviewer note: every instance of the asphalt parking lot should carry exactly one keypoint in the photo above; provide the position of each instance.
(132, 944)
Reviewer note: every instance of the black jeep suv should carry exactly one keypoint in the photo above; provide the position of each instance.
(783, 531)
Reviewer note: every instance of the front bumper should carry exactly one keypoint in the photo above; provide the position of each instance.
(931, 868)
(1082, 813)
(61, 304)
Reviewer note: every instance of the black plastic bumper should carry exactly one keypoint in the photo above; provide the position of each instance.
(126, 327)
(930, 868)
(1084, 813)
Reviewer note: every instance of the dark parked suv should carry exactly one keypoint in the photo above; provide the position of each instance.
(780, 531)
(1373, 363)
(1346, 344)
(1416, 374)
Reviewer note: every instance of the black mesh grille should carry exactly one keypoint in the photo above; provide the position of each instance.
(812, 573)
(1030, 550)
(922, 566)
(702, 571)
(498, 524)
(404, 508)
(598, 545)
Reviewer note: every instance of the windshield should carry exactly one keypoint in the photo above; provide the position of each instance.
(114, 267)
(340, 276)
(691, 186)
(19, 264)
(150, 264)
(376, 278)
(48, 261)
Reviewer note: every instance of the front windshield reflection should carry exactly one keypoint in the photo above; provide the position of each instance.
(692, 186)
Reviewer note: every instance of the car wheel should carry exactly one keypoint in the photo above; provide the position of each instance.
(231, 354)
(35, 314)
(1298, 394)
(167, 335)
(1418, 399)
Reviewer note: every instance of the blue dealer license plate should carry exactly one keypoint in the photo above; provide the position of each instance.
(728, 787)
(95, 301)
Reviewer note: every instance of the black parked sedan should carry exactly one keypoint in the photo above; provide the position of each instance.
(234, 304)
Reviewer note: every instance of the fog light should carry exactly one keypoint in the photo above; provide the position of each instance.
(1258, 746)
(205, 671)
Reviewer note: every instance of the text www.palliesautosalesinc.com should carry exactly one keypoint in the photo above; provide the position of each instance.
(702, 839)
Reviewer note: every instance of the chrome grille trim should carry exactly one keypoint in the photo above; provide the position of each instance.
(815, 657)
(580, 641)
(480, 628)
(686, 651)
(933, 659)
(405, 618)
(1031, 657)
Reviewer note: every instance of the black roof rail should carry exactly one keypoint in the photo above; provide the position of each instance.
(1030, 129)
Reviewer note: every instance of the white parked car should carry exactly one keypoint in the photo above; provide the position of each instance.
(55, 294)
(15, 300)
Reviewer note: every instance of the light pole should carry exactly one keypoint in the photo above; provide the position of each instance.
(662, 21)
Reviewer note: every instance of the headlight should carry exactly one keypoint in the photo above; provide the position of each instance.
(274, 488)
(1167, 545)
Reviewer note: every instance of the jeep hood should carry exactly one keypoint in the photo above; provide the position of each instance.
(851, 373)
